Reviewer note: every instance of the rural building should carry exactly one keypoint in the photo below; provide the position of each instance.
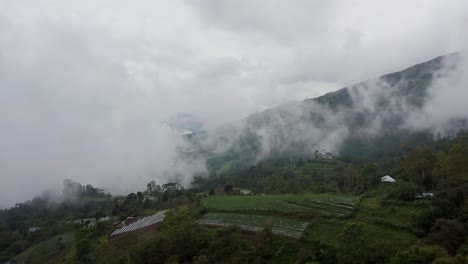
(34, 229)
(245, 192)
(387, 178)
(425, 195)
(83, 221)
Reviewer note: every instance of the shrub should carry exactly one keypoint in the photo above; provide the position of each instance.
(400, 192)
(449, 234)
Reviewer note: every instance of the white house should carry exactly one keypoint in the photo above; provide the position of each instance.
(425, 195)
(387, 178)
(245, 192)
(34, 229)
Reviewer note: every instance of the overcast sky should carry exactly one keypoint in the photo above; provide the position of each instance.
(86, 87)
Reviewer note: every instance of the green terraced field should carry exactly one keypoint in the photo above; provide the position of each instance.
(321, 204)
(281, 226)
(44, 251)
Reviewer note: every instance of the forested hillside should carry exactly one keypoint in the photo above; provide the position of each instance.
(324, 180)
(366, 121)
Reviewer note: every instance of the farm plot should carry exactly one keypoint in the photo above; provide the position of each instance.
(141, 223)
(321, 204)
(326, 205)
(280, 226)
(44, 251)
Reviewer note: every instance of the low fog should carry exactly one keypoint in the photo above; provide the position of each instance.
(447, 99)
(102, 92)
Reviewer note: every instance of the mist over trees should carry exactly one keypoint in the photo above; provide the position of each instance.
(234, 132)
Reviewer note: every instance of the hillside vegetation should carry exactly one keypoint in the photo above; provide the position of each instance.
(294, 204)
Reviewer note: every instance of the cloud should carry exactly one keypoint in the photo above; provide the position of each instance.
(446, 107)
(87, 87)
(342, 41)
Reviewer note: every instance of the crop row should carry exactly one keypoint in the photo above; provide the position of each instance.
(325, 204)
(281, 226)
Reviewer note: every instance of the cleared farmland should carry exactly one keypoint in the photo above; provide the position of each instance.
(321, 204)
(280, 225)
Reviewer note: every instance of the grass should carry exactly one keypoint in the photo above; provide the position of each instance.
(371, 209)
(325, 230)
(280, 225)
(319, 204)
(46, 250)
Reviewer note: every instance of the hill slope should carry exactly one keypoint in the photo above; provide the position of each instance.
(368, 120)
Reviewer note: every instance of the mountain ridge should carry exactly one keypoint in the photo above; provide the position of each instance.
(362, 121)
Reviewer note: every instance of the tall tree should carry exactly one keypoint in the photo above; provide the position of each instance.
(418, 165)
(455, 164)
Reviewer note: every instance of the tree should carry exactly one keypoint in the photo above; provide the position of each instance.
(99, 214)
(228, 247)
(265, 239)
(425, 219)
(180, 236)
(418, 255)
(157, 250)
(370, 175)
(132, 197)
(403, 191)
(71, 189)
(140, 196)
(418, 165)
(450, 202)
(150, 187)
(83, 249)
(455, 164)
(347, 179)
(449, 234)
(200, 183)
(352, 245)
(202, 259)
(89, 190)
(228, 189)
(192, 202)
